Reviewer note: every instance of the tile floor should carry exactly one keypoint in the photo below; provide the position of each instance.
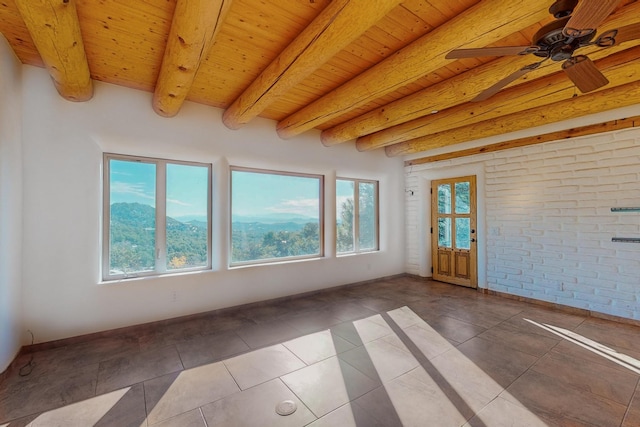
(396, 352)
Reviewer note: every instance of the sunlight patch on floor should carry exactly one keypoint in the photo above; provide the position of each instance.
(593, 346)
(85, 413)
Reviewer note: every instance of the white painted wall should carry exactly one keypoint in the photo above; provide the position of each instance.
(10, 205)
(63, 146)
(545, 222)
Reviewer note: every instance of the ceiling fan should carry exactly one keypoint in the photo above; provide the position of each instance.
(558, 41)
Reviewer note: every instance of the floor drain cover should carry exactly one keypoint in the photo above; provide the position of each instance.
(286, 407)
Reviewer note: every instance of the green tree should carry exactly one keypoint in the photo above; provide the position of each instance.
(344, 238)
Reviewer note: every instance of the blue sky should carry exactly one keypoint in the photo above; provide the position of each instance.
(254, 194)
(259, 194)
(344, 191)
(134, 182)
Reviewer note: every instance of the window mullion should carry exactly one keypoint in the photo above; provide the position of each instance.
(356, 216)
(106, 220)
(161, 217)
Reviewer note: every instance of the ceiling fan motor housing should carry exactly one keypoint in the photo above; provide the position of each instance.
(562, 8)
(554, 44)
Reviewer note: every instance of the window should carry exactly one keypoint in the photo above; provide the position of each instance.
(356, 216)
(275, 215)
(157, 216)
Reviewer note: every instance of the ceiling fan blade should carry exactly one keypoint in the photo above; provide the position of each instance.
(588, 15)
(628, 32)
(489, 92)
(491, 51)
(584, 73)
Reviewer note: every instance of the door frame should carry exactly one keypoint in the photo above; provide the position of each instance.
(471, 281)
(425, 176)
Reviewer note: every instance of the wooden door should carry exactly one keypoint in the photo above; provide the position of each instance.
(453, 231)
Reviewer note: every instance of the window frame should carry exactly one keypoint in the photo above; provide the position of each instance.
(356, 216)
(160, 267)
(321, 217)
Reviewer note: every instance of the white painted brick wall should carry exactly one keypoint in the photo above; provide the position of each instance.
(549, 221)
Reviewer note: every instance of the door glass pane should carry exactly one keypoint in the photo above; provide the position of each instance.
(444, 198)
(463, 237)
(367, 216)
(444, 232)
(132, 213)
(462, 198)
(187, 216)
(344, 215)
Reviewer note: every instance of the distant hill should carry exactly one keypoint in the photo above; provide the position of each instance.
(275, 218)
(133, 239)
(261, 228)
(254, 237)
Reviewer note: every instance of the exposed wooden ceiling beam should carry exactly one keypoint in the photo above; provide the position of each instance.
(341, 22)
(605, 100)
(621, 68)
(193, 31)
(485, 23)
(531, 140)
(458, 90)
(55, 30)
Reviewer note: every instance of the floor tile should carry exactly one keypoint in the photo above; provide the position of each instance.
(346, 311)
(404, 317)
(25, 421)
(313, 321)
(210, 348)
(574, 350)
(502, 413)
(39, 394)
(398, 351)
(455, 329)
(170, 334)
(424, 339)
(478, 316)
(129, 411)
(520, 340)
(71, 357)
(327, 385)
(263, 334)
(501, 364)
(315, 347)
(545, 396)
(407, 402)
(362, 331)
(257, 407)
(193, 418)
(607, 382)
(262, 365)
(632, 417)
(378, 303)
(380, 360)
(84, 413)
(460, 378)
(349, 415)
(173, 394)
(224, 322)
(552, 317)
(267, 312)
(619, 336)
(125, 371)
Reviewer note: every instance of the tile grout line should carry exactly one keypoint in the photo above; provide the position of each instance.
(628, 410)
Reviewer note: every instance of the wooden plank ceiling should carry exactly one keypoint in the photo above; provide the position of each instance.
(373, 71)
